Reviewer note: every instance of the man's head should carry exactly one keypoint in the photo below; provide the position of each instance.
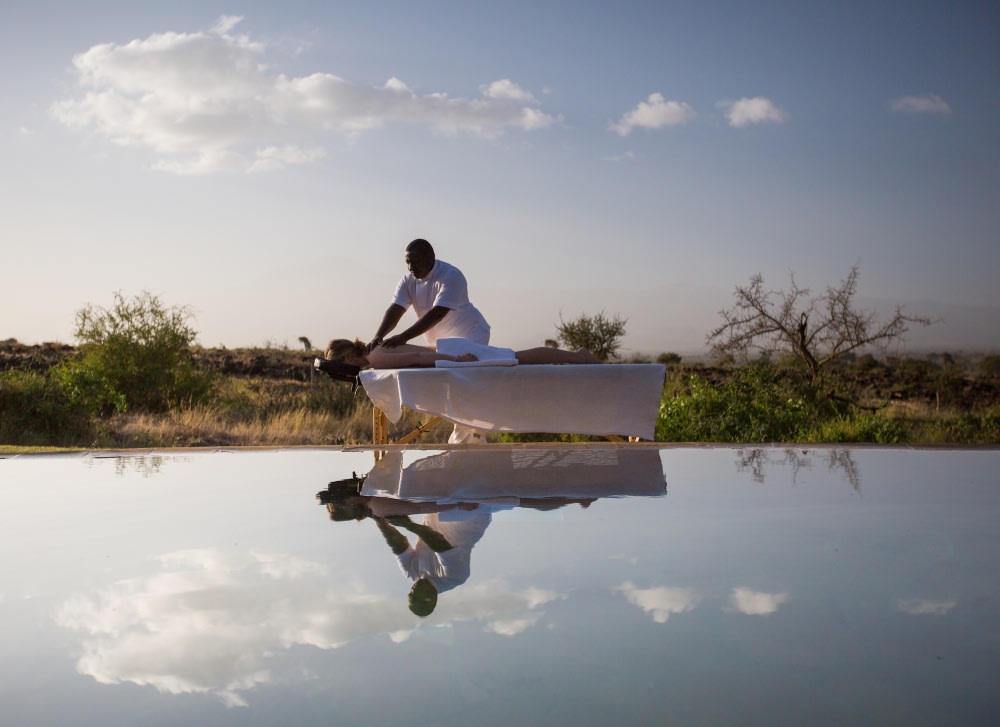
(423, 597)
(419, 258)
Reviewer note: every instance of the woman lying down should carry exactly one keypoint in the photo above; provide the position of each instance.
(449, 352)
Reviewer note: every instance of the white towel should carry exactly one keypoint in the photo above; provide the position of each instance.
(485, 355)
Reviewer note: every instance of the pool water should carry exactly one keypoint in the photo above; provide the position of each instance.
(579, 584)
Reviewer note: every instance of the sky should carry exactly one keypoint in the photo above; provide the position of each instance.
(263, 165)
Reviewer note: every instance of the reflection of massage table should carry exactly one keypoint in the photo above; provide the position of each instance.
(487, 474)
(599, 399)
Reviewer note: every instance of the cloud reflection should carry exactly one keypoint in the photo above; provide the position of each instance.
(756, 603)
(210, 620)
(926, 607)
(660, 602)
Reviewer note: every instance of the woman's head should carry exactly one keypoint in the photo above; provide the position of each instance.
(345, 350)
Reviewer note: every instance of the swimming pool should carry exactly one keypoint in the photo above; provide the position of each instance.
(579, 584)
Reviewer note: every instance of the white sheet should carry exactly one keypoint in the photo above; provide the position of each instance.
(597, 399)
(487, 355)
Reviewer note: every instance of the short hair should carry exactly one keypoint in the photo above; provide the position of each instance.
(422, 597)
(421, 245)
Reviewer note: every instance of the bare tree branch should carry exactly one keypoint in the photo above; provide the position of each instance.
(815, 330)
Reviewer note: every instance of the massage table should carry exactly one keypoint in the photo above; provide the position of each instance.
(610, 400)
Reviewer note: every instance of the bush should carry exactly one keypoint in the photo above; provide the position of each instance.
(135, 355)
(758, 404)
(866, 362)
(87, 388)
(36, 410)
(598, 333)
(989, 366)
(873, 428)
(976, 427)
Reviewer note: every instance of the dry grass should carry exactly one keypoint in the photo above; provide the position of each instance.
(204, 426)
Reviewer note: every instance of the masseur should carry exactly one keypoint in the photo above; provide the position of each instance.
(439, 294)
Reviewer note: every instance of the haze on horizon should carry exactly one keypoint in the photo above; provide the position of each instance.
(265, 165)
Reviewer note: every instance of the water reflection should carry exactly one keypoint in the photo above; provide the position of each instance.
(554, 570)
(456, 494)
(758, 460)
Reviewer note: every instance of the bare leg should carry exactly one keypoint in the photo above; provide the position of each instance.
(546, 355)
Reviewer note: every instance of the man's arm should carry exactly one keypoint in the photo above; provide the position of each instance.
(423, 324)
(392, 315)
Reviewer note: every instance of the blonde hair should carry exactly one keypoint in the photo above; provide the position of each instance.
(339, 349)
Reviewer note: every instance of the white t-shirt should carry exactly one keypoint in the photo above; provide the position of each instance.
(444, 286)
(452, 567)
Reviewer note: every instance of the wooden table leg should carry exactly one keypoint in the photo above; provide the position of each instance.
(418, 431)
(380, 427)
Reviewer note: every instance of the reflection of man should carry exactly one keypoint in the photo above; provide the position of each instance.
(441, 558)
(439, 295)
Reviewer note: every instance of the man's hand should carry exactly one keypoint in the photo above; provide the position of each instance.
(392, 315)
(393, 341)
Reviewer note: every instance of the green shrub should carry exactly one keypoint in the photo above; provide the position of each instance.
(758, 403)
(135, 355)
(869, 427)
(866, 362)
(36, 410)
(600, 334)
(976, 427)
(87, 388)
(989, 365)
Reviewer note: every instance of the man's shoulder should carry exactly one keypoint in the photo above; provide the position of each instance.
(442, 268)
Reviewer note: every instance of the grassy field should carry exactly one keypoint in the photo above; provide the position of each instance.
(270, 397)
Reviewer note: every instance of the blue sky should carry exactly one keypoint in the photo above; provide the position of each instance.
(265, 164)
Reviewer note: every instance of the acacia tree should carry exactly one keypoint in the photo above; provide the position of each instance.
(815, 330)
(600, 334)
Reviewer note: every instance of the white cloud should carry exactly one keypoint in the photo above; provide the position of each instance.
(273, 157)
(926, 607)
(209, 101)
(926, 104)
(226, 23)
(507, 89)
(746, 111)
(756, 603)
(660, 602)
(653, 113)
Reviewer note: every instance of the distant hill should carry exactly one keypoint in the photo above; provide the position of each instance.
(958, 328)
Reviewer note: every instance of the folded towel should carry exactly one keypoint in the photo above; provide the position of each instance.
(486, 355)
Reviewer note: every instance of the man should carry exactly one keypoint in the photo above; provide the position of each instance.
(439, 294)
